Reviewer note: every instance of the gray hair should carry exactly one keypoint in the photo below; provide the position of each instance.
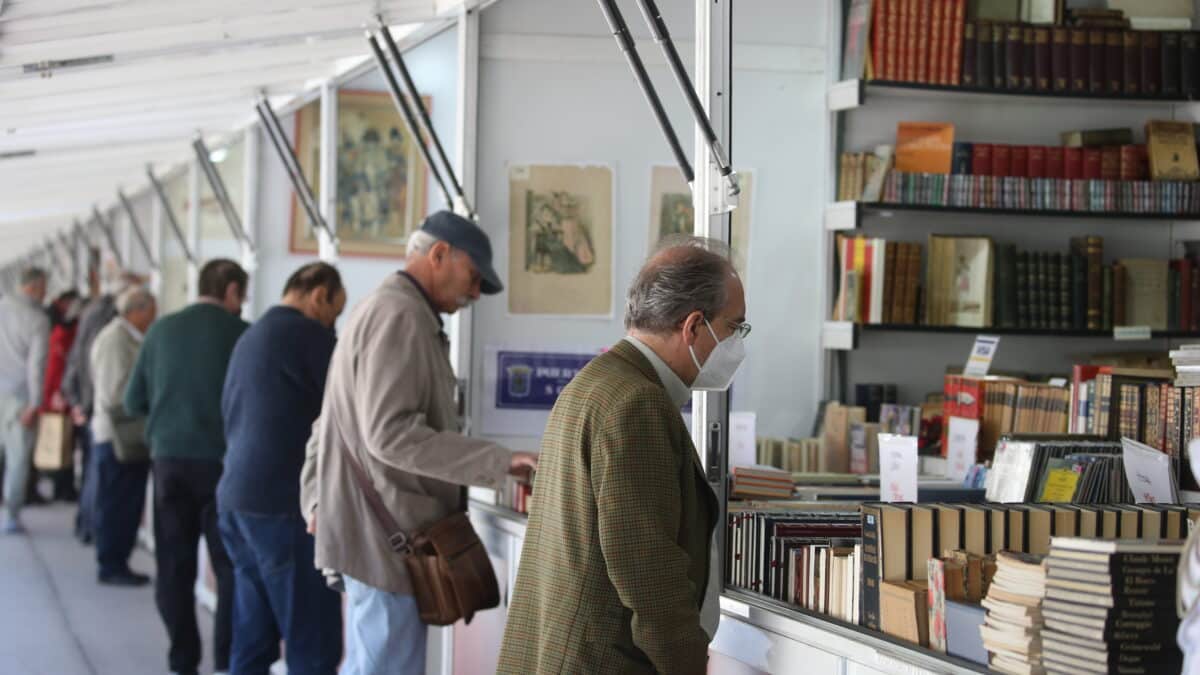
(419, 243)
(134, 299)
(685, 275)
(32, 275)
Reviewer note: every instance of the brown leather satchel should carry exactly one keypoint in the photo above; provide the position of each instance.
(452, 576)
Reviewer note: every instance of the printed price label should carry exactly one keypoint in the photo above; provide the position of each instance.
(1131, 333)
(962, 444)
(980, 360)
(897, 468)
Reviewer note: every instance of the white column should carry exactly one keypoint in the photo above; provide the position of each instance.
(193, 229)
(466, 129)
(327, 247)
(250, 152)
(156, 246)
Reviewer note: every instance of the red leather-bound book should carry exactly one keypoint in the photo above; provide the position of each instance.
(955, 61)
(879, 38)
(1055, 162)
(1001, 160)
(1130, 159)
(1072, 163)
(1036, 166)
(1110, 162)
(1093, 161)
(923, 44)
(1019, 163)
(981, 159)
(937, 43)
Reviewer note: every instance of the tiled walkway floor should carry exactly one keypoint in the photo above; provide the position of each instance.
(56, 620)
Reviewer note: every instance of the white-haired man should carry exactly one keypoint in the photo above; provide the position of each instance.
(120, 457)
(390, 406)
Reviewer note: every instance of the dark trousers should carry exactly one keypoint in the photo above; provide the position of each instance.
(279, 594)
(84, 518)
(185, 509)
(120, 498)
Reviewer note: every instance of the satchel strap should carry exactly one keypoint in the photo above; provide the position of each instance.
(397, 538)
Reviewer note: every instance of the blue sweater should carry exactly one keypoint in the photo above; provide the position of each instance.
(272, 397)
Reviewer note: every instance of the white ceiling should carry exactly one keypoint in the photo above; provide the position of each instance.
(170, 68)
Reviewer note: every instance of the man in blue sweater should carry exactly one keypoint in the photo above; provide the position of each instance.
(272, 396)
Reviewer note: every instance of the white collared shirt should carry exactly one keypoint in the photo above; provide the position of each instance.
(680, 394)
(134, 333)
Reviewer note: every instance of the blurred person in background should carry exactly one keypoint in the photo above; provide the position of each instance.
(64, 320)
(120, 456)
(77, 380)
(272, 396)
(24, 338)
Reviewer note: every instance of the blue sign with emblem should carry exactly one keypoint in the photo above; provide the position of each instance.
(533, 380)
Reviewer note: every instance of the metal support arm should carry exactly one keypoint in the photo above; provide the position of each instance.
(279, 141)
(620, 31)
(218, 189)
(106, 229)
(410, 118)
(170, 214)
(138, 232)
(414, 97)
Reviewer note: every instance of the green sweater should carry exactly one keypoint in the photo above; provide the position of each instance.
(178, 378)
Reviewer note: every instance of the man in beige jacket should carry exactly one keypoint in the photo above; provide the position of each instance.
(390, 403)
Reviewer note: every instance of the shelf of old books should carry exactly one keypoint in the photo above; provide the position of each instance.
(1014, 172)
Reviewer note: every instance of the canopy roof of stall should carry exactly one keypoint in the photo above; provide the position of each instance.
(93, 90)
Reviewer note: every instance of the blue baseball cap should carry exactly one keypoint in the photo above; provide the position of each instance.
(469, 238)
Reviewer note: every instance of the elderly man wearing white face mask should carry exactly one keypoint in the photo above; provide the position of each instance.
(617, 573)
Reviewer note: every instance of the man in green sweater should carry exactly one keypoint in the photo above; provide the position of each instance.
(177, 384)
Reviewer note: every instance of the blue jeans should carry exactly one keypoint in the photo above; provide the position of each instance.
(85, 517)
(386, 635)
(120, 492)
(279, 594)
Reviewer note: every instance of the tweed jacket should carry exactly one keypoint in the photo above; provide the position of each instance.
(389, 400)
(616, 554)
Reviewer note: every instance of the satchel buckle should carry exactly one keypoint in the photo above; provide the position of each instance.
(399, 542)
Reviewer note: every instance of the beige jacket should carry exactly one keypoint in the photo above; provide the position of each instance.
(389, 399)
(113, 354)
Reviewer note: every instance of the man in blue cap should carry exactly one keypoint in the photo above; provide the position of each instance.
(390, 407)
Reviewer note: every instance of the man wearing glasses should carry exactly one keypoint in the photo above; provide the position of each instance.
(617, 572)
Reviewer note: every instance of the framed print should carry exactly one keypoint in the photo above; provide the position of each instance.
(381, 176)
(671, 211)
(560, 240)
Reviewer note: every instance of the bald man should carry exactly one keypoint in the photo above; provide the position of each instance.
(616, 570)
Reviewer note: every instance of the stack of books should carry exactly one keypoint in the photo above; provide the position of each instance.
(760, 482)
(1110, 607)
(1012, 631)
(1186, 361)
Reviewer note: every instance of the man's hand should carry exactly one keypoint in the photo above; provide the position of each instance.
(78, 416)
(29, 417)
(57, 402)
(522, 465)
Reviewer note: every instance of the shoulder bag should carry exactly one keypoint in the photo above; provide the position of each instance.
(452, 576)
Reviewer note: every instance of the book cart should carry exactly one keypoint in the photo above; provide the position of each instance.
(781, 637)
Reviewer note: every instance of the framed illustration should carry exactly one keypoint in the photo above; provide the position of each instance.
(671, 211)
(560, 240)
(381, 177)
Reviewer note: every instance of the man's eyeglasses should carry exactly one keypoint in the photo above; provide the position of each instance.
(742, 330)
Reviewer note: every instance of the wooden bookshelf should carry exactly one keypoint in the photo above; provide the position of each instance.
(851, 94)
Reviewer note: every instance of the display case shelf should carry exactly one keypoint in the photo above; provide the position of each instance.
(851, 94)
(841, 216)
(844, 335)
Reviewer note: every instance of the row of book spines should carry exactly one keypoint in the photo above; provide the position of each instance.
(899, 539)
(1080, 60)
(897, 267)
(854, 170)
(1112, 162)
(1158, 414)
(917, 40)
(1004, 406)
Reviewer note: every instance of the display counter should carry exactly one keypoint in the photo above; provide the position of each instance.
(762, 633)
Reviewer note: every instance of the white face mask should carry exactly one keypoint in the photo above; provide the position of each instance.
(717, 372)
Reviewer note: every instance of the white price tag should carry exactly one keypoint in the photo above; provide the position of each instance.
(1132, 333)
(962, 442)
(1148, 472)
(742, 451)
(980, 360)
(897, 468)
